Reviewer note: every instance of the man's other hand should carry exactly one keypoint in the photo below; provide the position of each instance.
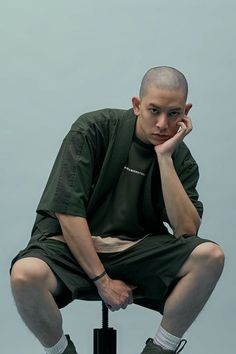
(115, 293)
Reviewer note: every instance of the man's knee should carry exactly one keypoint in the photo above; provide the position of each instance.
(209, 253)
(208, 256)
(32, 272)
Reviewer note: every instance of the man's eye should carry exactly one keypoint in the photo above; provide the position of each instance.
(154, 110)
(174, 114)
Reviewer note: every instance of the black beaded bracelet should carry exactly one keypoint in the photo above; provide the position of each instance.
(99, 276)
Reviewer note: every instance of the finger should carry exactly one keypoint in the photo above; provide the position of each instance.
(114, 308)
(184, 129)
(114, 305)
(129, 301)
(188, 122)
(124, 305)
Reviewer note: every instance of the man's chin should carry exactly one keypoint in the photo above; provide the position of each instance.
(156, 140)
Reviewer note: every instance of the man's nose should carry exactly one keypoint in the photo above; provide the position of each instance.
(162, 122)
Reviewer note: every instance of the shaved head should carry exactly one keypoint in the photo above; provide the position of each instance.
(164, 77)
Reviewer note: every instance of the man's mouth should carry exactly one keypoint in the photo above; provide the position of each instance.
(161, 136)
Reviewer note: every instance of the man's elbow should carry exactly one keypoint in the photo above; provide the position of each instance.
(188, 228)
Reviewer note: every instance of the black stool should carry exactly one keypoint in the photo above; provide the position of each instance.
(104, 339)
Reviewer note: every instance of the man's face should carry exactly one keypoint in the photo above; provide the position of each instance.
(158, 113)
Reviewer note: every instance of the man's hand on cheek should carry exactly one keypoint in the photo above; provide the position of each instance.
(184, 127)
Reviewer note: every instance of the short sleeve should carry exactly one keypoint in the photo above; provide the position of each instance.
(188, 173)
(68, 187)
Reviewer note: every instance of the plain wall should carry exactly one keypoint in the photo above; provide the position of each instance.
(60, 59)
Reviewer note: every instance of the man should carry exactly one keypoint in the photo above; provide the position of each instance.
(118, 177)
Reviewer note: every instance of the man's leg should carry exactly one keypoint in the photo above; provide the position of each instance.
(198, 278)
(33, 285)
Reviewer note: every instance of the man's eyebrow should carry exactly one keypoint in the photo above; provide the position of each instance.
(169, 108)
(176, 108)
(153, 105)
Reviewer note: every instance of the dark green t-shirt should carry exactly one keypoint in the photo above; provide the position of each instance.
(93, 161)
(121, 212)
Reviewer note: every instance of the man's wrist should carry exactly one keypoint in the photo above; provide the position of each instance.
(165, 160)
(99, 276)
(102, 282)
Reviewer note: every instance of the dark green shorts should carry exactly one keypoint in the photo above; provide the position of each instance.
(152, 265)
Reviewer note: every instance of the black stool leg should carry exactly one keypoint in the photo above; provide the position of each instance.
(104, 339)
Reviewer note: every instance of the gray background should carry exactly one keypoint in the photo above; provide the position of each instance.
(62, 58)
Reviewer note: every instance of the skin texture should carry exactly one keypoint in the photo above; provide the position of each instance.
(162, 120)
(160, 114)
(166, 78)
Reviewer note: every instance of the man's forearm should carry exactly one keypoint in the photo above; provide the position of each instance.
(181, 212)
(78, 238)
(114, 293)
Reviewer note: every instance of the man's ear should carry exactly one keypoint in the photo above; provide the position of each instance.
(136, 105)
(188, 106)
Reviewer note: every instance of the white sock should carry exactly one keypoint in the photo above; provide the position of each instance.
(59, 347)
(166, 340)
